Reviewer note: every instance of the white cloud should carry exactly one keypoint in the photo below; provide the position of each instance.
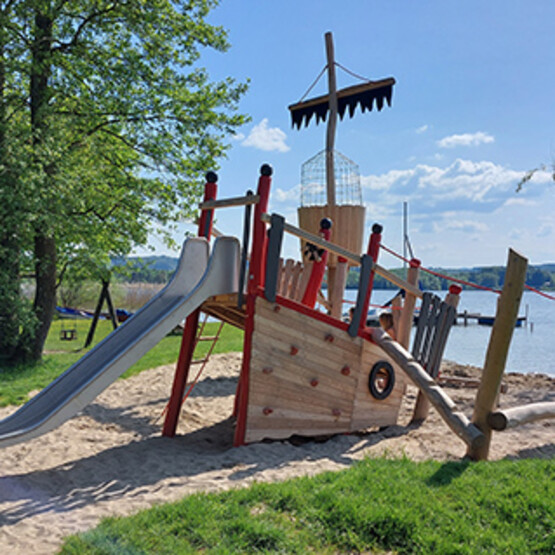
(464, 184)
(466, 226)
(466, 139)
(422, 129)
(545, 231)
(460, 214)
(291, 195)
(519, 202)
(266, 138)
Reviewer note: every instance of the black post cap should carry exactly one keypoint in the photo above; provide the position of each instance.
(377, 228)
(266, 170)
(211, 177)
(325, 223)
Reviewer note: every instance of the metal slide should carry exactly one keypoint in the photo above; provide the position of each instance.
(198, 276)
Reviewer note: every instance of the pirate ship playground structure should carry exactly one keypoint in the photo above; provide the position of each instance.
(304, 371)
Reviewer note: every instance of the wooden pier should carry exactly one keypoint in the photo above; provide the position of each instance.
(483, 320)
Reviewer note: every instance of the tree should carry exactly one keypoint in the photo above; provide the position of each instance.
(530, 174)
(107, 123)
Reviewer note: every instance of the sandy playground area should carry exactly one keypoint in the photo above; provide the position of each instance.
(112, 460)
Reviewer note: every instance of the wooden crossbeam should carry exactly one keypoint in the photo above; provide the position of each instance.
(348, 97)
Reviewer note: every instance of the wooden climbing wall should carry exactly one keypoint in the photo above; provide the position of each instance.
(310, 378)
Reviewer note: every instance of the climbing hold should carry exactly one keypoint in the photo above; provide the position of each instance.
(267, 370)
(346, 370)
(294, 350)
(267, 411)
(329, 338)
(314, 382)
(277, 308)
(336, 412)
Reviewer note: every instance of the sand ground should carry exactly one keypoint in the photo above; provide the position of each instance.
(112, 460)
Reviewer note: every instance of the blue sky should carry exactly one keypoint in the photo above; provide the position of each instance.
(473, 109)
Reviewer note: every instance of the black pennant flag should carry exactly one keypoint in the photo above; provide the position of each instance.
(350, 97)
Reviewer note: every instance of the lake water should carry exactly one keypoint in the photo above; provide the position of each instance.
(532, 347)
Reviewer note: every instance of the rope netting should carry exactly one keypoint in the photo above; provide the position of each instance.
(462, 281)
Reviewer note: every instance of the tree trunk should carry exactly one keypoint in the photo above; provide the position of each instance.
(45, 292)
(33, 337)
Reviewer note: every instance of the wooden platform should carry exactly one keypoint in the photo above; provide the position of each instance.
(310, 378)
(224, 307)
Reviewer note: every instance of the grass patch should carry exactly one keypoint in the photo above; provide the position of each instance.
(17, 382)
(378, 505)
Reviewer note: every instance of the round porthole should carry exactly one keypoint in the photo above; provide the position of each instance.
(381, 380)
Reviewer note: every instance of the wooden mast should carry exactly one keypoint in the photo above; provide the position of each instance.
(336, 283)
(332, 121)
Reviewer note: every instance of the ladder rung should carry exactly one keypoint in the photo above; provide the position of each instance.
(208, 338)
(199, 361)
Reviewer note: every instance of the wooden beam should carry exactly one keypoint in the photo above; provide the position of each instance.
(516, 416)
(227, 202)
(498, 348)
(398, 281)
(340, 251)
(444, 405)
(342, 93)
(316, 240)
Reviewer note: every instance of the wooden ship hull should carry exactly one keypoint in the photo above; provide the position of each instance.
(311, 378)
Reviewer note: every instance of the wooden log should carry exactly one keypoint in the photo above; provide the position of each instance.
(295, 280)
(407, 314)
(336, 293)
(280, 274)
(286, 278)
(517, 416)
(396, 307)
(498, 348)
(444, 405)
(303, 282)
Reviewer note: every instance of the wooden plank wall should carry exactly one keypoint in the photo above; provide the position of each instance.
(308, 378)
(347, 229)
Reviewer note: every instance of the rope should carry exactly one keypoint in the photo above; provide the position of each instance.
(194, 382)
(353, 73)
(540, 292)
(203, 365)
(314, 83)
(461, 281)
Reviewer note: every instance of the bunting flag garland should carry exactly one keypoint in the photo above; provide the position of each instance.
(350, 97)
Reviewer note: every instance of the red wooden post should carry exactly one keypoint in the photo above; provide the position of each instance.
(256, 279)
(318, 268)
(373, 251)
(188, 342)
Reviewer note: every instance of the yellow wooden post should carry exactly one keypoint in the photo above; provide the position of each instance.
(498, 348)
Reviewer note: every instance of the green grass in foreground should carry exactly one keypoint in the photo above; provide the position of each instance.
(17, 382)
(379, 505)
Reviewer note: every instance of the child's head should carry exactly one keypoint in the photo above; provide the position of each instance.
(386, 320)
